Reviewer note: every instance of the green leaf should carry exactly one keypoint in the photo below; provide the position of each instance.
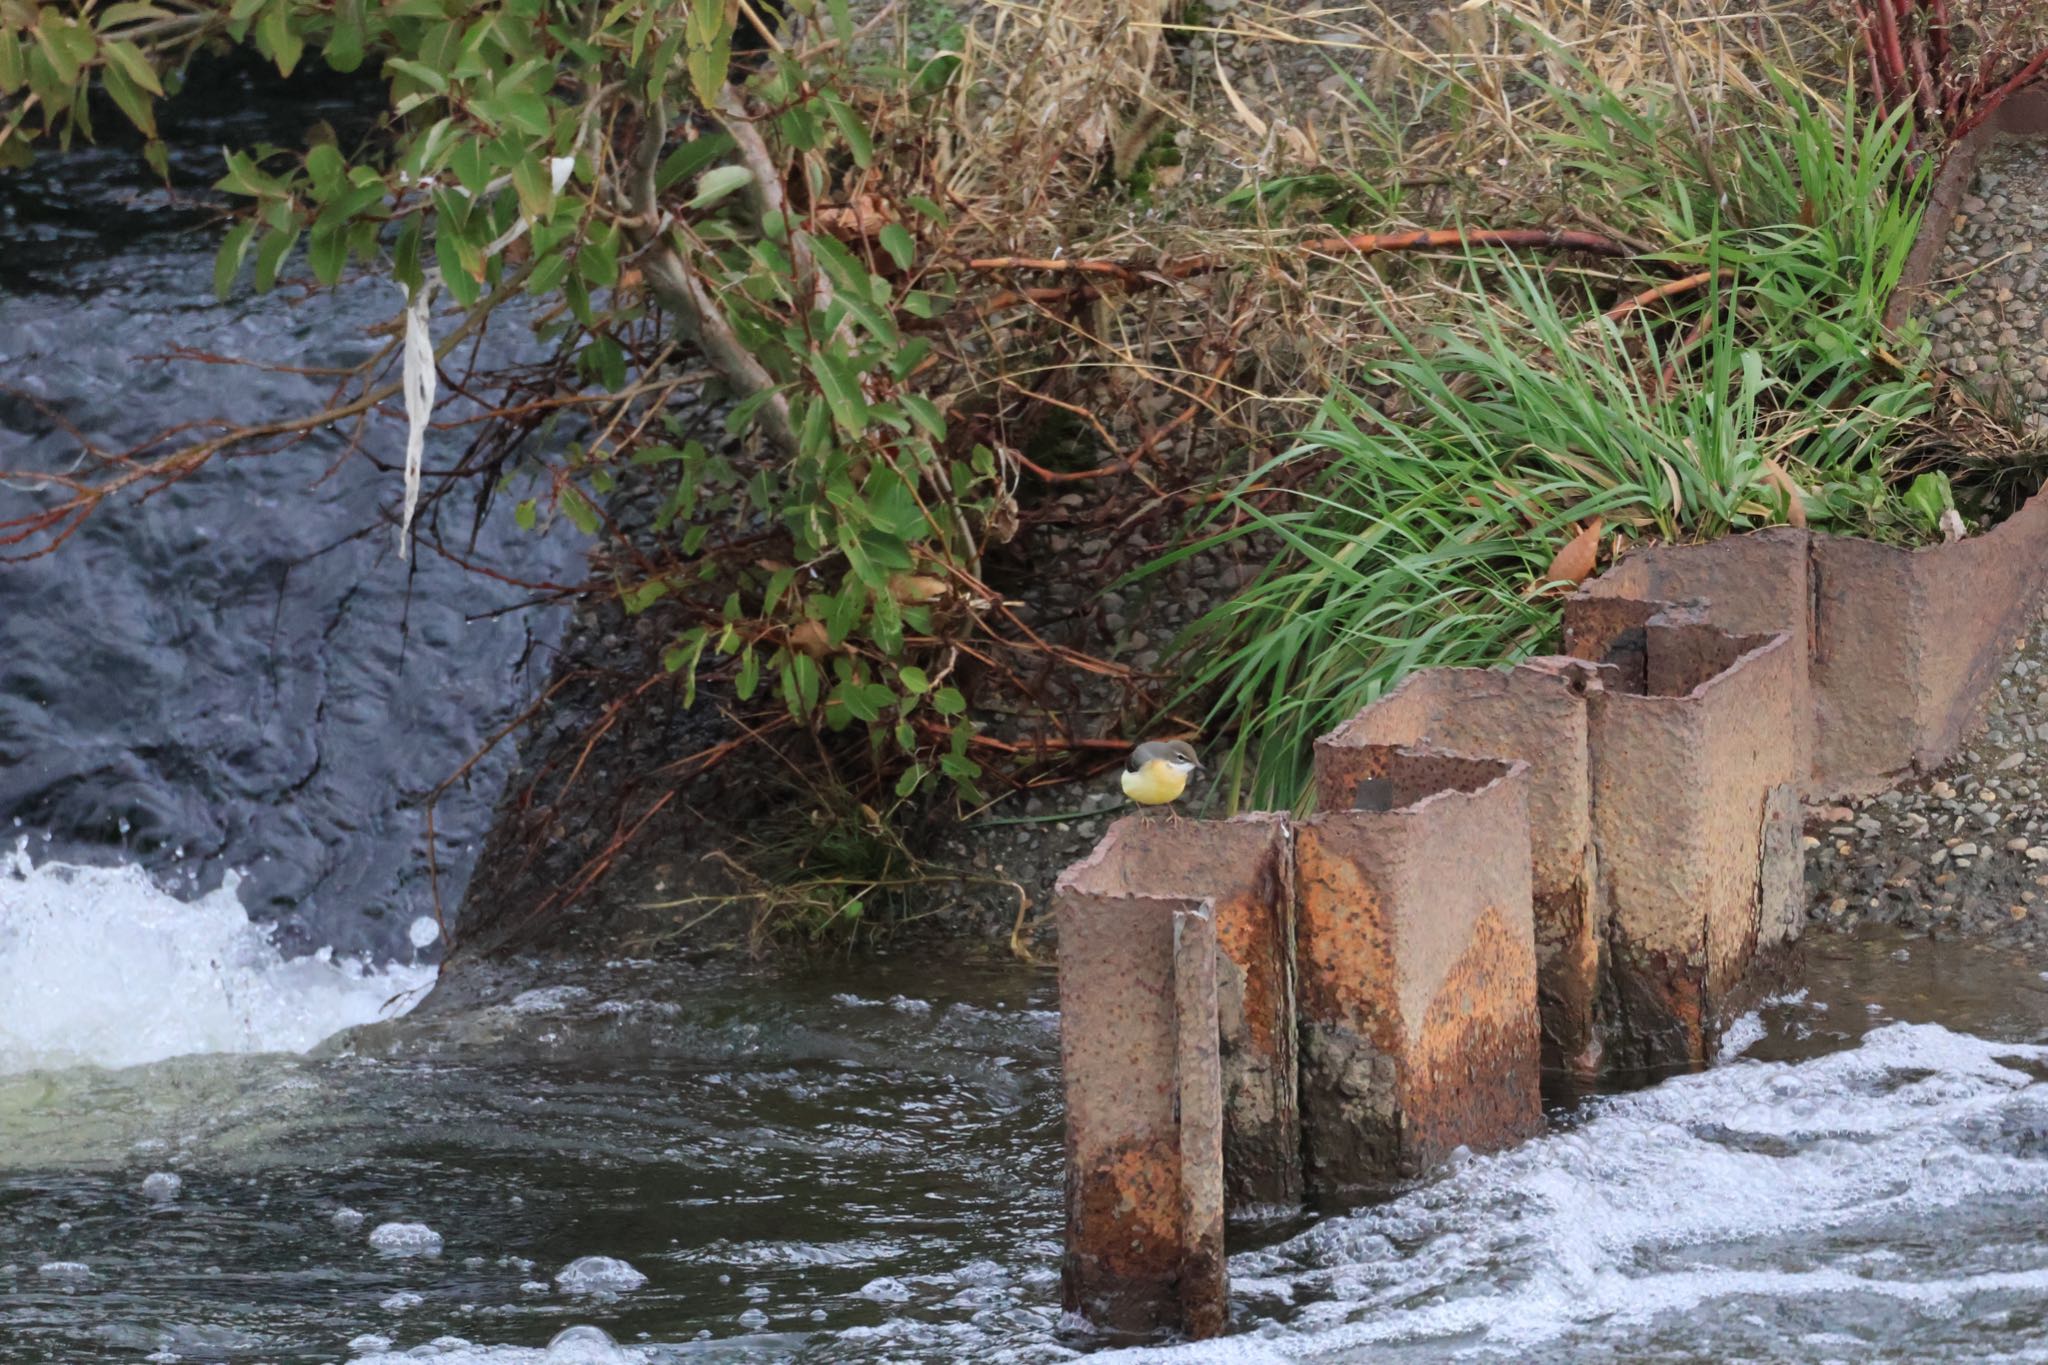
(840, 383)
(925, 413)
(128, 12)
(327, 253)
(947, 701)
(856, 287)
(639, 599)
(418, 72)
(778, 583)
(13, 63)
(907, 783)
(901, 246)
(270, 255)
(804, 680)
(719, 182)
(858, 141)
(130, 59)
(915, 679)
(227, 263)
(1930, 495)
(536, 190)
(749, 675)
(54, 41)
(690, 158)
(275, 34)
(344, 50)
(325, 166)
(525, 514)
(959, 767)
(577, 508)
(857, 702)
(129, 100)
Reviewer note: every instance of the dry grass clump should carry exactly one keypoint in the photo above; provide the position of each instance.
(1276, 145)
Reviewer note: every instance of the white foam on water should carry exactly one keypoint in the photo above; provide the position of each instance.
(1665, 1202)
(162, 1186)
(598, 1275)
(579, 1345)
(405, 1239)
(100, 966)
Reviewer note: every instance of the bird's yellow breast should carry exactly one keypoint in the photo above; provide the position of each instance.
(1155, 783)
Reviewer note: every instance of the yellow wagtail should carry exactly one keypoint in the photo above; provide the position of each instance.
(1157, 772)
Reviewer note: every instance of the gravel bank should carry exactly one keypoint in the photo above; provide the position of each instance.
(1992, 334)
(1966, 851)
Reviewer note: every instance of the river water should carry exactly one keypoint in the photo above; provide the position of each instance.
(229, 1130)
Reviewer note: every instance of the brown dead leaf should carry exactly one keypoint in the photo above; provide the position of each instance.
(1795, 497)
(863, 216)
(811, 638)
(1574, 563)
(911, 587)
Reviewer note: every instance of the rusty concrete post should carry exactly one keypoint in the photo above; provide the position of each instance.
(1535, 712)
(1244, 867)
(1696, 768)
(1417, 965)
(1143, 1080)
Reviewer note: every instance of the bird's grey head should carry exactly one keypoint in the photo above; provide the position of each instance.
(1174, 751)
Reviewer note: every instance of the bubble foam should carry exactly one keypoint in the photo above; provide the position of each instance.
(102, 967)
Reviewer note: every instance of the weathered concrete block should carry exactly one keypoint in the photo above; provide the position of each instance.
(1244, 868)
(1695, 771)
(1534, 712)
(1416, 953)
(1143, 1080)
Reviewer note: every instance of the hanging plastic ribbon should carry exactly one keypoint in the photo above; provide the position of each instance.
(419, 380)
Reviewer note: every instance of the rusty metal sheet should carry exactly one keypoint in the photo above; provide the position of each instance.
(1534, 712)
(1977, 599)
(1203, 1288)
(1143, 1081)
(1415, 948)
(1684, 778)
(1908, 645)
(1244, 868)
(1758, 583)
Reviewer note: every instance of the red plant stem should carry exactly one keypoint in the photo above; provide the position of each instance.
(1937, 32)
(1867, 31)
(1135, 274)
(1669, 289)
(1989, 105)
(1926, 104)
(1888, 50)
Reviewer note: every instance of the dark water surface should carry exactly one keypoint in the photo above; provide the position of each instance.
(237, 672)
(863, 1165)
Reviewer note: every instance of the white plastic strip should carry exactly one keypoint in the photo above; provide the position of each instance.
(419, 402)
